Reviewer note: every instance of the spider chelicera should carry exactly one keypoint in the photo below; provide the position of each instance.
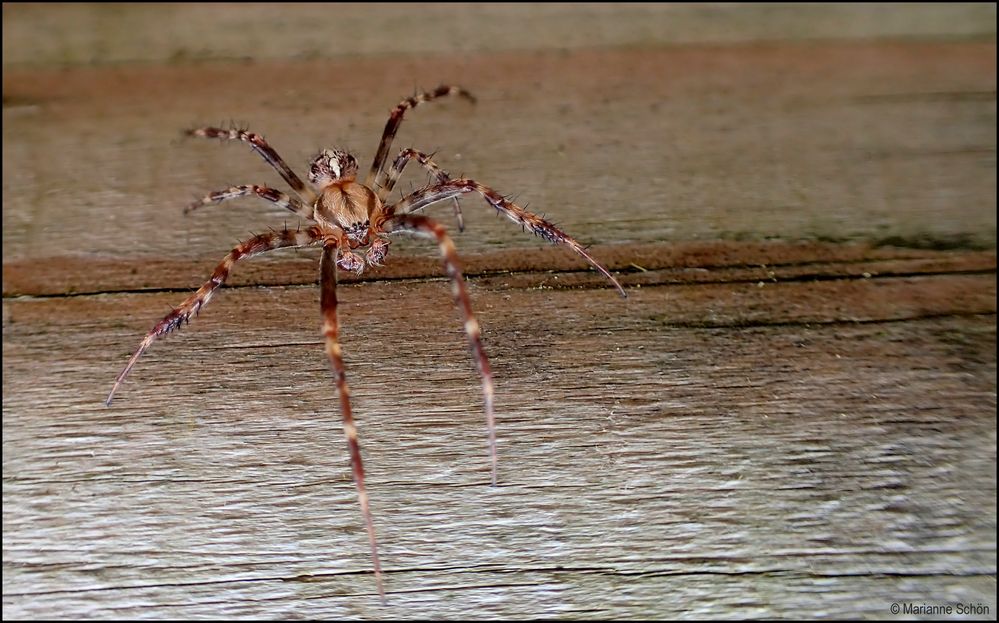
(349, 215)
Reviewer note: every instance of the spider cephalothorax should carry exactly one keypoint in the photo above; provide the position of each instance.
(344, 203)
(331, 166)
(348, 215)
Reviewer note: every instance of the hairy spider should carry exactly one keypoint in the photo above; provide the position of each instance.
(349, 215)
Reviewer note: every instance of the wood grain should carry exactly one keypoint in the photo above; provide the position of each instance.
(741, 447)
(791, 416)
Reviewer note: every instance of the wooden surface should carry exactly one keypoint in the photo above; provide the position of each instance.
(792, 415)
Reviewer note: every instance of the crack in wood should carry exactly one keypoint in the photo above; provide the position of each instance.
(754, 266)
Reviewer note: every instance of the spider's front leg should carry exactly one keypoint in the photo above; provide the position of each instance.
(276, 197)
(331, 334)
(268, 153)
(254, 246)
(426, 160)
(427, 227)
(537, 225)
(395, 119)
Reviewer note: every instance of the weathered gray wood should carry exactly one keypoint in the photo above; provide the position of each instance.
(840, 141)
(793, 414)
(648, 468)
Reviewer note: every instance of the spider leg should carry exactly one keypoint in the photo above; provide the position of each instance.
(331, 331)
(254, 246)
(537, 225)
(276, 197)
(259, 145)
(395, 118)
(439, 175)
(425, 226)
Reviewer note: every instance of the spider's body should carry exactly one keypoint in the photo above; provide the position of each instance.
(349, 215)
(350, 206)
(342, 202)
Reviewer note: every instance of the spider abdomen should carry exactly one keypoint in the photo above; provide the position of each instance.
(348, 205)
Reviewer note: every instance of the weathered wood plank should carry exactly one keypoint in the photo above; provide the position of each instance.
(646, 463)
(895, 142)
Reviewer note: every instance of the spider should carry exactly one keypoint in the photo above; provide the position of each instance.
(348, 215)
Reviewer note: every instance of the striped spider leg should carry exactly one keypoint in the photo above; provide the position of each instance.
(276, 197)
(399, 217)
(423, 226)
(528, 220)
(437, 173)
(256, 245)
(347, 215)
(342, 213)
(374, 178)
(331, 337)
(259, 145)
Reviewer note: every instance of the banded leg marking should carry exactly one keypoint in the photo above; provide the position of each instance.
(254, 246)
(259, 145)
(426, 160)
(331, 334)
(528, 220)
(395, 119)
(276, 197)
(425, 226)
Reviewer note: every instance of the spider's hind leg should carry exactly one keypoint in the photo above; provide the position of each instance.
(331, 334)
(424, 226)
